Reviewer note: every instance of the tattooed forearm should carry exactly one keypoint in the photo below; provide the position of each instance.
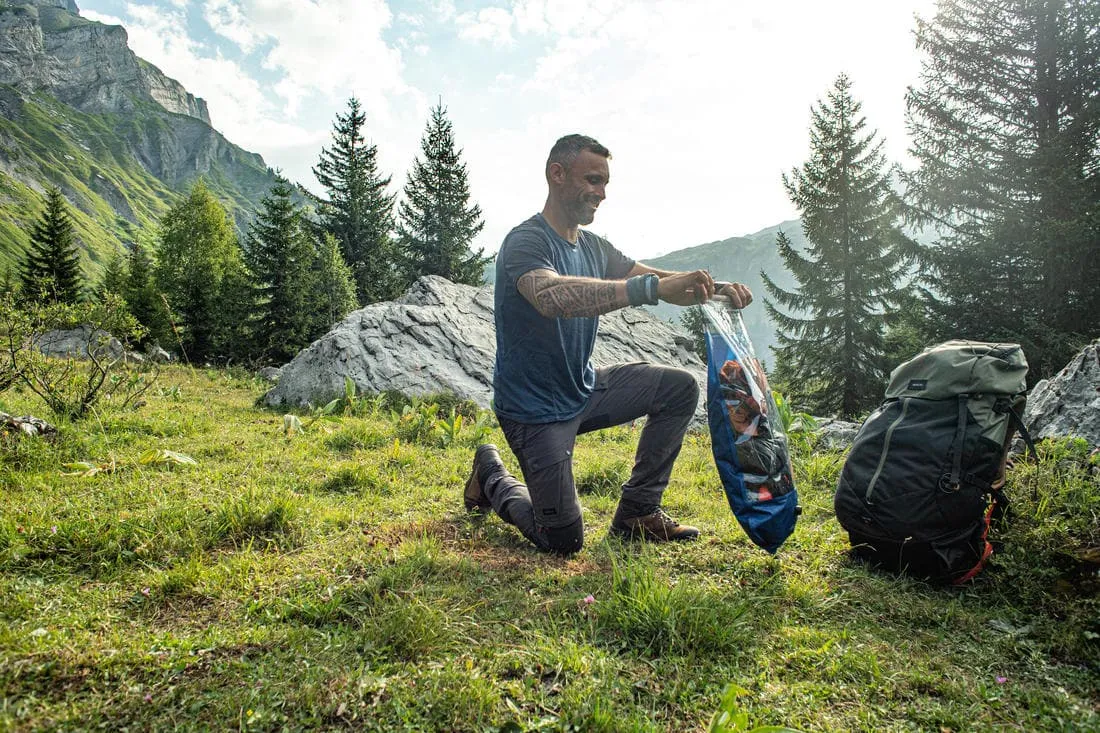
(555, 296)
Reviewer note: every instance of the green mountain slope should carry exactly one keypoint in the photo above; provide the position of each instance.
(739, 259)
(122, 141)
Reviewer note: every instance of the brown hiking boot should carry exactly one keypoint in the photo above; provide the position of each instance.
(486, 458)
(655, 527)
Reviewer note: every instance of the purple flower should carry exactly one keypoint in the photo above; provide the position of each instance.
(1001, 680)
(589, 599)
(145, 592)
(148, 697)
(53, 529)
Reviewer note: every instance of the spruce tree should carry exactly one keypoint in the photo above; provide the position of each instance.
(437, 223)
(334, 288)
(142, 297)
(51, 269)
(198, 249)
(831, 342)
(280, 255)
(356, 207)
(1004, 125)
(114, 277)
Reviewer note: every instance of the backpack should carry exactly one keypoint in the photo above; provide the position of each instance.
(923, 479)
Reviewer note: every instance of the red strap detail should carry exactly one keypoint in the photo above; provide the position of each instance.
(987, 550)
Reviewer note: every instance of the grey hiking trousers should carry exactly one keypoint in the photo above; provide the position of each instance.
(546, 510)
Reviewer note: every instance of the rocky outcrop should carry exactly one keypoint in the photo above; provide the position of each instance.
(440, 337)
(46, 47)
(1068, 404)
(80, 342)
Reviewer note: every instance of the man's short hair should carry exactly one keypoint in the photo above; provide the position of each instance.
(566, 150)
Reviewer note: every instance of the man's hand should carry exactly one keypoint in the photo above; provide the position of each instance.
(738, 293)
(686, 288)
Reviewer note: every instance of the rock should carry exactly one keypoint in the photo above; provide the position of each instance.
(1067, 404)
(28, 425)
(835, 434)
(270, 373)
(440, 337)
(157, 354)
(79, 342)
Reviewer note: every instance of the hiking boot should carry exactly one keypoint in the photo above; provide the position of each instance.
(654, 527)
(486, 463)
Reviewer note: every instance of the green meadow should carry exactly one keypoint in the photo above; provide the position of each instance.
(203, 563)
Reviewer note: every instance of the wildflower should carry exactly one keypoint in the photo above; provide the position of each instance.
(589, 599)
(148, 697)
(1001, 680)
(53, 529)
(145, 592)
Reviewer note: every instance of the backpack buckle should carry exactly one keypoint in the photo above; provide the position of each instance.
(948, 486)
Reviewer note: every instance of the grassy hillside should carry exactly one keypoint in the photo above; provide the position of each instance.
(739, 259)
(330, 579)
(113, 196)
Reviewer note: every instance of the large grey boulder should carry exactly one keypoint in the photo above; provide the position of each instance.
(80, 342)
(440, 337)
(1068, 404)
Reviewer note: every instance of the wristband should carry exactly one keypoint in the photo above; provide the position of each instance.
(635, 290)
(651, 281)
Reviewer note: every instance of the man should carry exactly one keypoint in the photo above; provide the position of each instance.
(553, 280)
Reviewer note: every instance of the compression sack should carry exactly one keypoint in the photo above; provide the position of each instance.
(746, 432)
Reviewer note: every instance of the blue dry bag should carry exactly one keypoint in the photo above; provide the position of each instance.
(746, 432)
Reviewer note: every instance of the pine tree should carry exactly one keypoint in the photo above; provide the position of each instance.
(1005, 125)
(436, 222)
(831, 346)
(334, 287)
(114, 277)
(356, 207)
(51, 269)
(142, 297)
(694, 322)
(280, 255)
(198, 248)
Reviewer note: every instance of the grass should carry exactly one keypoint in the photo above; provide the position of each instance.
(329, 579)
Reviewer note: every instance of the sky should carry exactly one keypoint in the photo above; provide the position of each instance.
(704, 104)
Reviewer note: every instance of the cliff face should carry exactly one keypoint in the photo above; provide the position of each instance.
(46, 47)
(79, 110)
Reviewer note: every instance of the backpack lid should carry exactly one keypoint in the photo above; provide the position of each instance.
(961, 367)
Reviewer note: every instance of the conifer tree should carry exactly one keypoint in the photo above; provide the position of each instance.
(831, 343)
(51, 269)
(1005, 126)
(356, 207)
(334, 287)
(142, 298)
(198, 249)
(437, 223)
(114, 277)
(280, 255)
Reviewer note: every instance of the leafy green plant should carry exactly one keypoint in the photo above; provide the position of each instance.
(418, 422)
(731, 719)
(449, 427)
(799, 426)
(72, 386)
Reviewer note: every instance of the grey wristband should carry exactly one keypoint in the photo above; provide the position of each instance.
(635, 290)
(651, 281)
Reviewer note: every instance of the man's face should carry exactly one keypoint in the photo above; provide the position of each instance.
(582, 186)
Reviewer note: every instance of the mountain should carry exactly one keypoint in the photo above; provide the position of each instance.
(79, 110)
(739, 259)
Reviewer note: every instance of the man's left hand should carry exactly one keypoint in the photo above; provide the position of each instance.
(686, 288)
(738, 293)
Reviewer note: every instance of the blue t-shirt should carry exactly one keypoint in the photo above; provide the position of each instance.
(543, 373)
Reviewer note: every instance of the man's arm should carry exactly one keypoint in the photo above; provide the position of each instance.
(692, 288)
(560, 296)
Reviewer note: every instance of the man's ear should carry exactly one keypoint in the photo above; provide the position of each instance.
(556, 173)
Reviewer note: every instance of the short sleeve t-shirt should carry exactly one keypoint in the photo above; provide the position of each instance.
(543, 373)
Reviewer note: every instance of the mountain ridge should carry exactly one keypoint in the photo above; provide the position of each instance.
(122, 140)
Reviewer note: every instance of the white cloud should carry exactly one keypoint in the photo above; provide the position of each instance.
(488, 24)
(227, 20)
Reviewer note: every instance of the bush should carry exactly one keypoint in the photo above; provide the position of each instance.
(71, 386)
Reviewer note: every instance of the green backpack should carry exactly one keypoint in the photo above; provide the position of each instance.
(925, 473)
